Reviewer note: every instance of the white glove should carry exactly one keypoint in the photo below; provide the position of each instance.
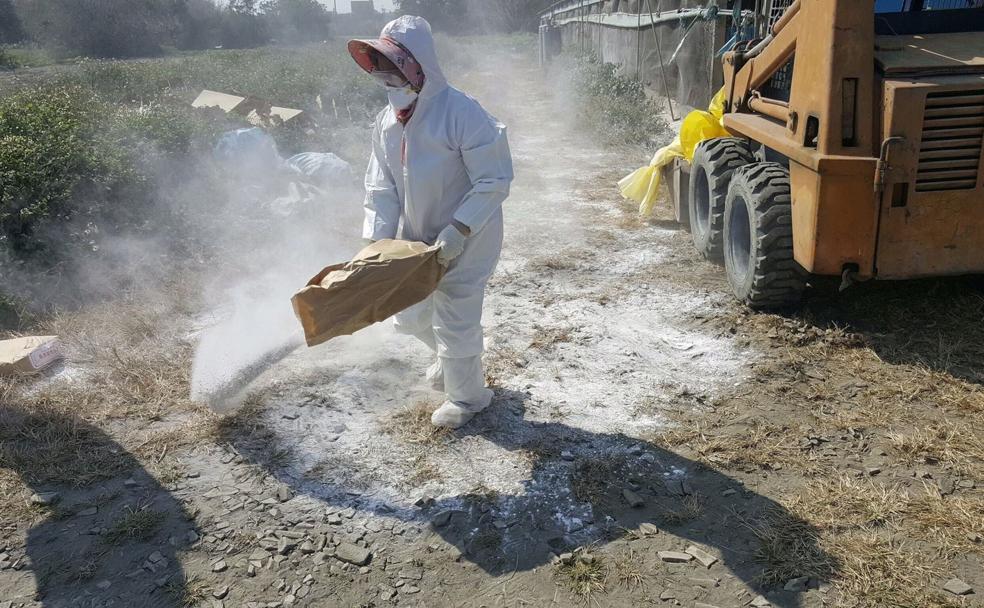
(452, 243)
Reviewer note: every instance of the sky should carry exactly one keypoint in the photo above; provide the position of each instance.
(343, 5)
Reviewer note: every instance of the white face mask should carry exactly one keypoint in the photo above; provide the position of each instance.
(401, 98)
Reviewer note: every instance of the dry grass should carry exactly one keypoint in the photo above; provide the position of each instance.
(140, 524)
(954, 523)
(422, 471)
(758, 444)
(874, 571)
(134, 358)
(956, 444)
(128, 370)
(545, 338)
(42, 442)
(789, 547)
(595, 480)
(582, 576)
(627, 571)
(500, 363)
(553, 263)
(847, 530)
(848, 502)
(688, 509)
(189, 593)
(413, 425)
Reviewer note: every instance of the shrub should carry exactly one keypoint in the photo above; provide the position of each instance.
(47, 153)
(7, 61)
(615, 106)
(10, 24)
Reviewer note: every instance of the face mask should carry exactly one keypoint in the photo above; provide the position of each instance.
(402, 98)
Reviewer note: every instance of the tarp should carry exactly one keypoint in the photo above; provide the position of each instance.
(642, 185)
(325, 168)
(383, 279)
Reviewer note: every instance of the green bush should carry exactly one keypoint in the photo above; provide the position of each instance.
(7, 61)
(69, 159)
(49, 150)
(616, 107)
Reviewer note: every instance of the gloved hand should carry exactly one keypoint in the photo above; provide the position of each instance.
(452, 243)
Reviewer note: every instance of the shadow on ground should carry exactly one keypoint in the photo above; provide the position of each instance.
(936, 323)
(575, 471)
(102, 540)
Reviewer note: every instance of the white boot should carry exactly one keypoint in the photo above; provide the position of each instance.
(464, 384)
(451, 416)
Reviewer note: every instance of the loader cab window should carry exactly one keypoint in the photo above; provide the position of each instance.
(899, 6)
(907, 17)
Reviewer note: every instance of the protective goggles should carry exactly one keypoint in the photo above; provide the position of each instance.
(390, 78)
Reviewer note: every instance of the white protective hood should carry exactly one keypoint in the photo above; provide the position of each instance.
(457, 167)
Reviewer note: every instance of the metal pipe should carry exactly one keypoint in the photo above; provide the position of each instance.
(758, 48)
(770, 107)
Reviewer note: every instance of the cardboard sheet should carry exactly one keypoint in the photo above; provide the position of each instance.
(28, 355)
(383, 279)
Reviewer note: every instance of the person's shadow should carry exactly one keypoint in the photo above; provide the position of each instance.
(575, 497)
(107, 532)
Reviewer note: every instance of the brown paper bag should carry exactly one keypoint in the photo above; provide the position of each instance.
(383, 279)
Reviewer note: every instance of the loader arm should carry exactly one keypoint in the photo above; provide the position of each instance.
(825, 129)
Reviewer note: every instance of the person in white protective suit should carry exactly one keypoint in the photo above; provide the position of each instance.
(439, 172)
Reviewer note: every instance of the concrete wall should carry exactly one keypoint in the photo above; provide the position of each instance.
(627, 40)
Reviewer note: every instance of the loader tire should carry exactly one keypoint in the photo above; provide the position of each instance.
(758, 238)
(714, 162)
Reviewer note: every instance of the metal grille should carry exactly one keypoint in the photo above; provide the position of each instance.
(776, 9)
(780, 84)
(952, 135)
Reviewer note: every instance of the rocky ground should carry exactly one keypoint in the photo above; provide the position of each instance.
(651, 443)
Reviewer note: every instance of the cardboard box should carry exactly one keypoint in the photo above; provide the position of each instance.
(29, 354)
(258, 112)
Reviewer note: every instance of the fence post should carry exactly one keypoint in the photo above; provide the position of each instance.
(639, 42)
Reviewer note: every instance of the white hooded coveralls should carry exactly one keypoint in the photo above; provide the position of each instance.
(458, 167)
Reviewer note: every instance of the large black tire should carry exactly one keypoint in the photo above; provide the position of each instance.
(714, 162)
(758, 238)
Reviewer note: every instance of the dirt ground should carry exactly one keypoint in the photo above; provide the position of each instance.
(651, 443)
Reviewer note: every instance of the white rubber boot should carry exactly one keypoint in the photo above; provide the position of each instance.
(451, 416)
(464, 384)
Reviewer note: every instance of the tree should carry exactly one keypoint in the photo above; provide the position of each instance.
(242, 26)
(102, 28)
(201, 25)
(486, 15)
(447, 15)
(295, 21)
(10, 24)
(510, 15)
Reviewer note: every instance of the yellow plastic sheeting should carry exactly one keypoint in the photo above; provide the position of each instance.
(642, 185)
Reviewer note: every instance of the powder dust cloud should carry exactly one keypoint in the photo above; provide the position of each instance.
(250, 324)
